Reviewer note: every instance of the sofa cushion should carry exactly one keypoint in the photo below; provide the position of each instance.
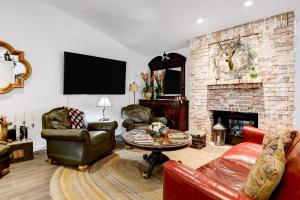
(245, 153)
(99, 136)
(226, 171)
(267, 171)
(285, 135)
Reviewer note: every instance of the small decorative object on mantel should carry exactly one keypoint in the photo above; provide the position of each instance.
(233, 58)
(219, 133)
(157, 129)
(253, 73)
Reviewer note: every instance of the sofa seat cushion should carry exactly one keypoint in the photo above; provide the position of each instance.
(245, 153)
(99, 137)
(141, 126)
(228, 172)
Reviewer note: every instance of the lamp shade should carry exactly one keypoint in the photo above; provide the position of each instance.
(133, 87)
(104, 102)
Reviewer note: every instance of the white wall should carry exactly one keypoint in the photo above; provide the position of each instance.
(44, 33)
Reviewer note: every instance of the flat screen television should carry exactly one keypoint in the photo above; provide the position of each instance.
(172, 81)
(85, 74)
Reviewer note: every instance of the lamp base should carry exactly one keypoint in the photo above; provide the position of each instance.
(104, 119)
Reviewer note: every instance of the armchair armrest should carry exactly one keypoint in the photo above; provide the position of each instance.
(254, 135)
(159, 119)
(128, 124)
(182, 182)
(66, 134)
(103, 126)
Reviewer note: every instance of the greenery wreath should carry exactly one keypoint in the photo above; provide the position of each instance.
(229, 49)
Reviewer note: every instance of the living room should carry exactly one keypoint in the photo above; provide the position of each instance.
(185, 91)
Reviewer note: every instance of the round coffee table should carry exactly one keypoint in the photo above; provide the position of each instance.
(156, 147)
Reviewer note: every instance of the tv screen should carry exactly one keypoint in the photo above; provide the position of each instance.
(172, 82)
(93, 75)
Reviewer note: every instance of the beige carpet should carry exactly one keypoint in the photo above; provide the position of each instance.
(119, 175)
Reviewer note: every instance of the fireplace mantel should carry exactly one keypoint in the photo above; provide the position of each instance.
(243, 85)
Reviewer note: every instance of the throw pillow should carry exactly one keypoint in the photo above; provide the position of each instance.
(266, 173)
(278, 132)
(77, 118)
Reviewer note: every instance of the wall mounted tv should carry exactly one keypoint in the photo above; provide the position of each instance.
(85, 74)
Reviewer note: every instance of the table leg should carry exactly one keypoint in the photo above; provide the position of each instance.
(155, 158)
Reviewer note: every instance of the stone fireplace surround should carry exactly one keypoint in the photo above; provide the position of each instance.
(271, 95)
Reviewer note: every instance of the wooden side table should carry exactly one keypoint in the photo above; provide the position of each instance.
(198, 139)
(21, 150)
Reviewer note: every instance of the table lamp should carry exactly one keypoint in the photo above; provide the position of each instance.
(104, 102)
(133, 87)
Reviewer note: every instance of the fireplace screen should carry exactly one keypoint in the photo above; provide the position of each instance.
(236, 126)
(234, 123)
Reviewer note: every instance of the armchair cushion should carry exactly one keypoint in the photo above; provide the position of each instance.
(103, 126)
(98, 137)
(59, 119)
(66, 134)
(137, 113)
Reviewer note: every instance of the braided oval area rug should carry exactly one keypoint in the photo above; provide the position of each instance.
(119, 176)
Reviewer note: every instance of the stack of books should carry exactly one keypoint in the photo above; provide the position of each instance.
(143, 139)
(177, 136)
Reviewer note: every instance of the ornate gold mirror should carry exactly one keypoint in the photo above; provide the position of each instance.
(14, 68)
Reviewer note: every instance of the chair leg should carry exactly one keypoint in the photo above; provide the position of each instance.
(82, 168)
(50, 160)
(5, 171)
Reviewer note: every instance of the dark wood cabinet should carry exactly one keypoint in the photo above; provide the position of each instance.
(175, 111)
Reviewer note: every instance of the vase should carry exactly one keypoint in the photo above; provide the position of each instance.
(253, 73)
(148, 95)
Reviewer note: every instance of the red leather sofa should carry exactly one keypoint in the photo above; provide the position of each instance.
(225, 177)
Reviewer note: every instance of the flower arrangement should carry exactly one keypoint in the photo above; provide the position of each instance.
(158, 129)
(147, 88)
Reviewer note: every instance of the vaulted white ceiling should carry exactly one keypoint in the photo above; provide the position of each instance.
(152, 26)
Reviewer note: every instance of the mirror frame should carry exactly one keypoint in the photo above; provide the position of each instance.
(167, 61)
(28, 70)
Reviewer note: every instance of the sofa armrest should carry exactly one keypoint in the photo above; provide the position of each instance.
(103, 126)
(66, 134)
(182, 182)
(159, 119)
(128, 124)
(254, 135)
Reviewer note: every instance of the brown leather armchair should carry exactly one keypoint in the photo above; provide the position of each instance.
(139, 117)
(76, 146)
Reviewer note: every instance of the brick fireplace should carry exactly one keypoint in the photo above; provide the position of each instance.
(270, 96)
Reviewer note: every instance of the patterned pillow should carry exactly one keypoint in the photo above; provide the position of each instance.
(285, 135)
(77, 118)
(267, 171)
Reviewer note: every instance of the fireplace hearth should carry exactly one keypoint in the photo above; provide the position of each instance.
(234, 123)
